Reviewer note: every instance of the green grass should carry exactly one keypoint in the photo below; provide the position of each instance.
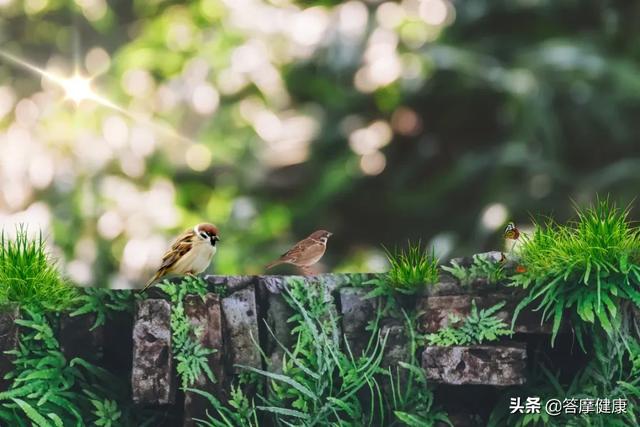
(587, 268)
(412, 268)
(29, 276)
(322, 383)
(319, 383)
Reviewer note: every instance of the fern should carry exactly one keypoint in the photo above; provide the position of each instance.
(49, 390)
(106, 411)
(102, 302)
(482, 267)
(190, 355)
(480, 326)
(239, 411)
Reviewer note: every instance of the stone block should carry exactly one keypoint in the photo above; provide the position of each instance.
(275, 312)
(152, 376)
(356, 313)
(482, 364)
(241, 327)
(436, 312)
(206, 316)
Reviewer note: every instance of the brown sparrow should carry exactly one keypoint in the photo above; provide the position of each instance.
(306, 252)
(190, 254)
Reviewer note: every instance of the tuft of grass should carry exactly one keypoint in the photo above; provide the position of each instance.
(29, 276)
(587, 268)
(412, 268)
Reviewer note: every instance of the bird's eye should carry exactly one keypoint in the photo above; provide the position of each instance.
(204, 235)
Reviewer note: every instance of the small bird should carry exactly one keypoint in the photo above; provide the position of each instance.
(190, 254)
(511, 232)
(306, 252)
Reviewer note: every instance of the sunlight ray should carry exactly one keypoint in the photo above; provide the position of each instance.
(78, 88)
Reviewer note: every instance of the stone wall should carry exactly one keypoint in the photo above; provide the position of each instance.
(236, 324)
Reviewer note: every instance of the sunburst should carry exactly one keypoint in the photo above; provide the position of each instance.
(78, 88)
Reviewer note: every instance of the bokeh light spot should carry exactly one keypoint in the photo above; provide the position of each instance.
(198, 157)
(494, 216)
(373, 164)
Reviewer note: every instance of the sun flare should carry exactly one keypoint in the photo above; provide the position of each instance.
(78, 88)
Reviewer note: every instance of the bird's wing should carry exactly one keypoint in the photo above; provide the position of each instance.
(311, 254)
(181, 246)
(304, 249)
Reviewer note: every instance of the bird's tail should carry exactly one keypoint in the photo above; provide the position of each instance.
(151, 281)
(272, 264)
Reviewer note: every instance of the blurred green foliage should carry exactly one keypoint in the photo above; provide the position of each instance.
(517, 106)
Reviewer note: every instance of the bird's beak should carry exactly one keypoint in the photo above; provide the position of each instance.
(214, 239)
(330, 234)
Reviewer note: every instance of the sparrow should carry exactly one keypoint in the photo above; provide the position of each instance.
(306, 252)
(190, 254)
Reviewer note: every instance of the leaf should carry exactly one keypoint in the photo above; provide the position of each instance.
(585, 309)
(412, 420)
(611, 306)
(283, 411)
(57, 421)
(557, 319)
(604, 321)
(45, 374)
(282, 378)
(32, 413)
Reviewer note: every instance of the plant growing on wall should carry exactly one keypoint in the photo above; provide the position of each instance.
(320, 384)
(411, 399)
(611, 374)
(190, 355)
(482, 267)
(588, 268)
(49, 390)
(410, 270)
(480, 326)
(238, 411)
(102, 303)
